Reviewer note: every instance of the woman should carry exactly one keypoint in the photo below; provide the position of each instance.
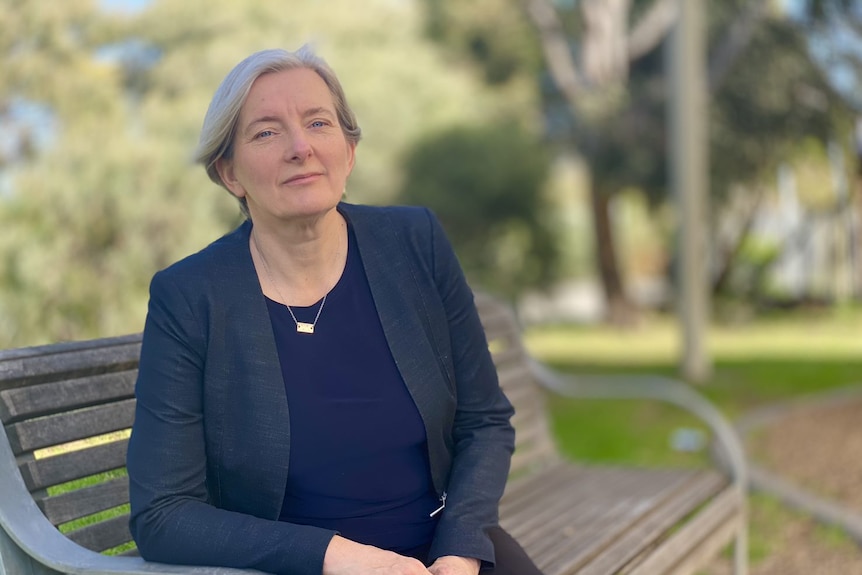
(315, 393)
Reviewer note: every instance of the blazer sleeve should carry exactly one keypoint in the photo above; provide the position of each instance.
(172, 517)
(483, 438)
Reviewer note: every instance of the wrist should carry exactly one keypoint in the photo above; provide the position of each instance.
(336, 551)
(468, 564)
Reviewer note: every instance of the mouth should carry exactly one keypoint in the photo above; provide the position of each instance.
(303, 178)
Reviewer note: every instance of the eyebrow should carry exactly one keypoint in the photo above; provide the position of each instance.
(316, 111)
(261, 120)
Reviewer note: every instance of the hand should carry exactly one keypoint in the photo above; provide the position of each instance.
(346, 557)
(453, 565)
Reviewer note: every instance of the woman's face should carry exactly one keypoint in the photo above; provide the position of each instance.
(290, 157)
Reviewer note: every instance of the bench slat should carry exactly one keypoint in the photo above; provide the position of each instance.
(609, 553)
(28, 366)
(710, 525)
(535, 434)
(538, 456)
(545, 484)
(528, 414)
(104, 535)
(585, 499)
(86, 501)
(47, 398)
(516, 377)
(570, 508)
(41, 473)
(491, 311)
(508, 356)
(600, 512)
(65, 427)
(525, 485)
(524, 395)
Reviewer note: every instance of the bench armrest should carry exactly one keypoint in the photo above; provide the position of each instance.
(657, 388)
(28, 538)
(732, 455)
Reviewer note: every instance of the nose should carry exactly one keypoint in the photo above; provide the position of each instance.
(298, 148)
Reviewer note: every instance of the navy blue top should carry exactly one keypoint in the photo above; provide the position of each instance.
(358, 455)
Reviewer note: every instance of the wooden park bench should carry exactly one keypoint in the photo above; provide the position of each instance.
(571, 518)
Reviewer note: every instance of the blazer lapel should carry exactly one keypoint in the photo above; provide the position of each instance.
(403, 316)
(256, 428)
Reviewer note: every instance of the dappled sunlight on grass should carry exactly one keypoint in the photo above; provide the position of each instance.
(634, 432)
(601, 344)
(822, 335)
(760, 362)
(82, 443)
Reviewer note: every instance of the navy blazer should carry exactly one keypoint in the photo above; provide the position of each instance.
(208, 457)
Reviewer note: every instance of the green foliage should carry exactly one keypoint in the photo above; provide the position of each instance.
(750, 275)
(774, 99)
(99, 190)
(486, 184)
(494, 33)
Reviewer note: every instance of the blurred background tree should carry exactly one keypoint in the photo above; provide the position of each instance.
(487, 185)
(98, 188)
(66, 159)
(100, 110)
(598, 68)
(775, 102)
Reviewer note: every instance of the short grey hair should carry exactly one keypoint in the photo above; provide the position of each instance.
(220, 123)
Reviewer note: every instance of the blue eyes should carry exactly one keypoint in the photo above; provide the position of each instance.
(317, 124)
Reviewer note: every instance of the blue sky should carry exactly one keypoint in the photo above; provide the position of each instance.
(135, 5)
(124, 5)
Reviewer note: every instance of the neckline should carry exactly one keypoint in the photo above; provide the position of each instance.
(351, 249)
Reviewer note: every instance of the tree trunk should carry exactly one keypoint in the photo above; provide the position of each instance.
(730, 255)
(620, 310)
(857, 235)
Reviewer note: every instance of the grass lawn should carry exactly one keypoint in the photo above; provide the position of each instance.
(765, 361)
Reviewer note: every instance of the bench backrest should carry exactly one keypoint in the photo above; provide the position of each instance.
(66, 409)
(534, 446)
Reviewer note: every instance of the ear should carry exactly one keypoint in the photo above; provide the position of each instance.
(226, 172)
(351, 156)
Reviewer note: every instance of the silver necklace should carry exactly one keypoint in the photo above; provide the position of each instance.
(301, 326)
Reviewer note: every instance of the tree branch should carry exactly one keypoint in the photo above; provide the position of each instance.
(652, 28)
(731, 253)
(735, 41)
(604, 54)
(555, 46)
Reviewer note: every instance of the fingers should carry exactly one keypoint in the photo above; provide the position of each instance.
(345, 557)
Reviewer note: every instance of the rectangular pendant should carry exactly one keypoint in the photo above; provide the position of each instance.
(302, 327)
